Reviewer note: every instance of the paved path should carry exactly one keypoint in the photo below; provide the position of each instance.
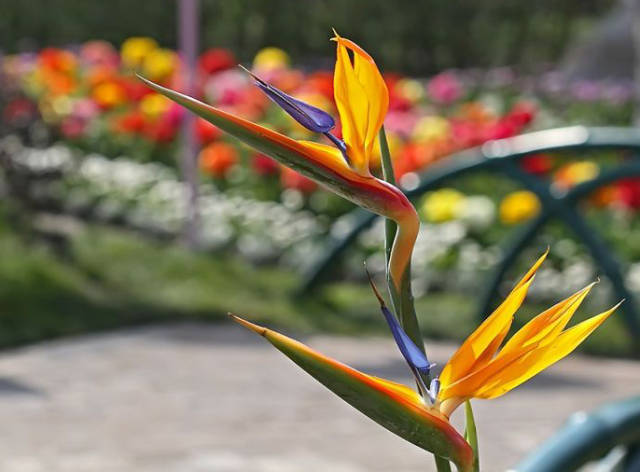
(196, 398)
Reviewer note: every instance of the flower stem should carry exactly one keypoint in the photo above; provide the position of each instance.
(400, 290)
(442, 465)
(471, 435)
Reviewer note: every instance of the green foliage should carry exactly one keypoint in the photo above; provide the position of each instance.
(108, 279)
(416, 37)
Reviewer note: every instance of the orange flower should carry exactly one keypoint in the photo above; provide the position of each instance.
(218, 158)
(108, 94)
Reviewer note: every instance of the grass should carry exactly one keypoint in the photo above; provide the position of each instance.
(107, 279)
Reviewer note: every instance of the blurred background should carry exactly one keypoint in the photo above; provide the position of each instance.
(119, 209)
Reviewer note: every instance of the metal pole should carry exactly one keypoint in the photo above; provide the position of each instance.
(634, 7)
(188, 29)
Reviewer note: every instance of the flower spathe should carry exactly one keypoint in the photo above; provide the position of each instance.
(394, 406)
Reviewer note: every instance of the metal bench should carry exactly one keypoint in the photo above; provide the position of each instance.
(609, 435)
(501, 157)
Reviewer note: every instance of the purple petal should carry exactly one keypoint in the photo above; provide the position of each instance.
(416, 359)
(307, 115)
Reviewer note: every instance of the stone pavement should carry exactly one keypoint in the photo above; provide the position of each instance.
(196, 398)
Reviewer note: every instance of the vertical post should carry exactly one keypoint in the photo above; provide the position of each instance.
(188, 30)
(634, 7)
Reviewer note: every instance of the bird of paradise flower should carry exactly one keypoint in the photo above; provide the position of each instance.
(485, 366)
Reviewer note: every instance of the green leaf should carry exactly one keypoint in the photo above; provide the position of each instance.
(382, 401)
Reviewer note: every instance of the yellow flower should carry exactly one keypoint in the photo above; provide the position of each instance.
(480, 369)
(410, 89)
(575, 173)
(270, 58)
(134, 50)
(154, 105)
(518, 207)
(442, 205)
(159, 64)
(430, 128)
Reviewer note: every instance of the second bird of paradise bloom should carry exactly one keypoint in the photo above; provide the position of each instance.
(484, 366)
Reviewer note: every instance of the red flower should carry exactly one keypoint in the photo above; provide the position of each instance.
(264, 165)
(321, 82)
(161, 131)
(521, 114)
(73, 127)
(503, 128)
(19, 112)
(206, 132)
(130, 123)
(537, 164)
(134, 89)
(629, 192)
(216, 59)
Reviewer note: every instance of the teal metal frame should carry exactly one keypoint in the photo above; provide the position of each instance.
(501, 157)
(590, 437)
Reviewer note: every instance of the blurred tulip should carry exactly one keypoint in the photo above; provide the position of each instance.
(218, 158)
(134, 51)
(159, 64)
(519, 206)
(430, 128)
(263, 165)
(295, 180)
(628, 193)
(442, 205)
(445, 88)
(129, 123)
(575, 173)
(215, 60)
(537, 164)
(154, 105)
(270, 58)
(206, 132)
(100, 53)
(108, 94)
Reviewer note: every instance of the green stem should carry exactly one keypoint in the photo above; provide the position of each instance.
(471, 435)
(402, 299)
(390, 226)
(442, 465)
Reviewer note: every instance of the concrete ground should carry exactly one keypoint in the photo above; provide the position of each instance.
(196, 398)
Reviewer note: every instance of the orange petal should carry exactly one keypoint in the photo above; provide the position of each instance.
(547, 326)
(362, 100)
(542, 357)
(483, 343)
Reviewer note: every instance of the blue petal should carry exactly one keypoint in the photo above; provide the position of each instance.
(416, 359)
(307, 115)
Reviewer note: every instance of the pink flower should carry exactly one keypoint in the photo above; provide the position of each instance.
(445, 88)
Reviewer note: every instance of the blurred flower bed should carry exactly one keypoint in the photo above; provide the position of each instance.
(109, 144)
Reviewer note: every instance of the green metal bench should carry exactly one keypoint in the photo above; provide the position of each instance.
(501, 157)
(609, 435)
